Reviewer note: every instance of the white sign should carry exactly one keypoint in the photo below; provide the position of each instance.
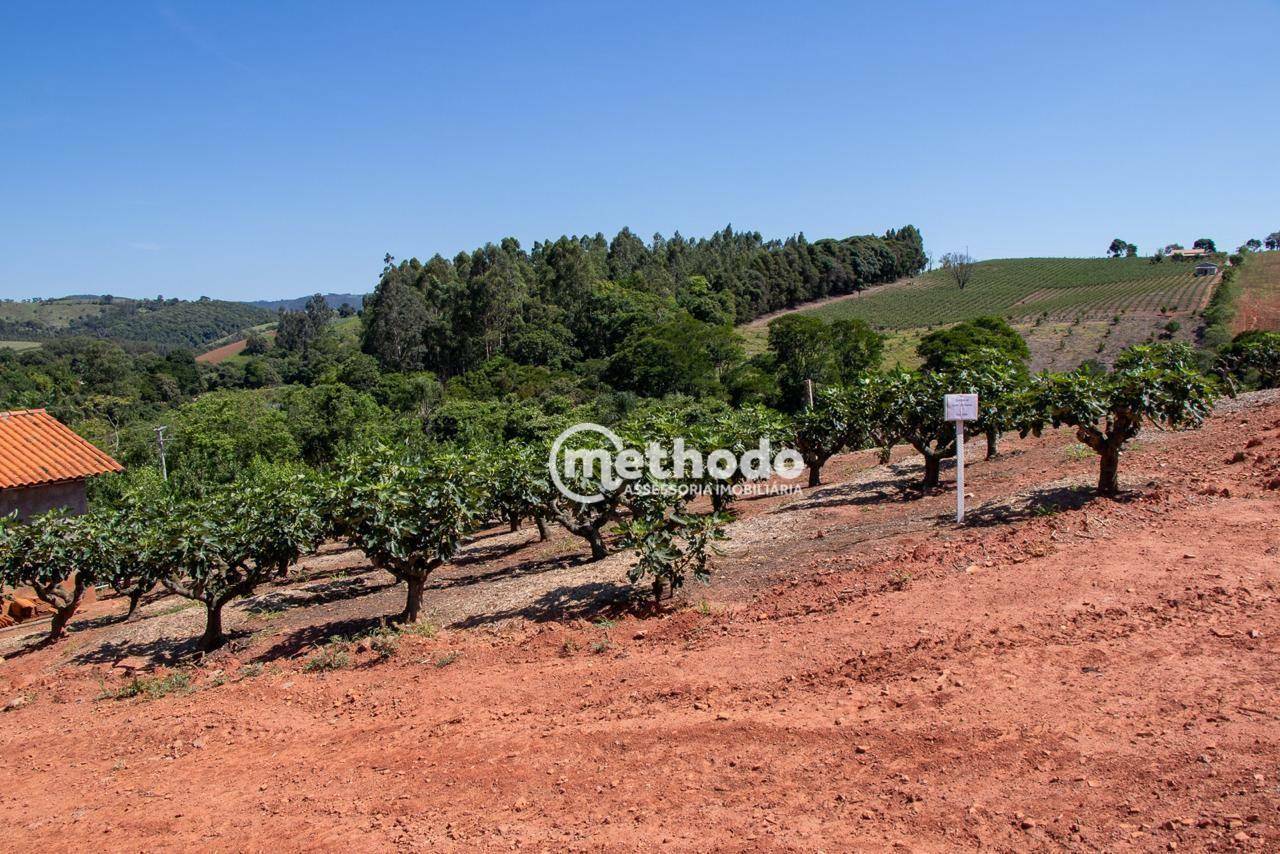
(961, 407)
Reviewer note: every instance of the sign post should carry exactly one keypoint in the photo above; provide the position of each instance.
(960, 408)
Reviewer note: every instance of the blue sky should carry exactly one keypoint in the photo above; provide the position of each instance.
(255, 150)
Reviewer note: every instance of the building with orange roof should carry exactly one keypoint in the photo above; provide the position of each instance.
(44, 464)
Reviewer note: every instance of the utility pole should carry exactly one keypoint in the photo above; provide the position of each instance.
(164, 470)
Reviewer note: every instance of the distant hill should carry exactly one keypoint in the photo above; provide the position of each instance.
(159, 323)
(298, 303)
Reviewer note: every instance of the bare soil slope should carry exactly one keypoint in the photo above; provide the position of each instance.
(862, 674)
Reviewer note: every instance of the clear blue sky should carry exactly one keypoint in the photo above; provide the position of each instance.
(260, 150)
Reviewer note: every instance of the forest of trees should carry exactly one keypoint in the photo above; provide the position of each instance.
(584, 299)
(156, 323)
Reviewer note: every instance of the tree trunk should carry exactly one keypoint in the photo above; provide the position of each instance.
(720, 495)
(815, 474)
(63, 608)
(61, 616)
(932, 470)
(413, 604)
(657, 593)
(1109, 471)
(592, 536)
(514, 521)
(992, 438)
(135, 596)
(885, 455)
(542, 528)
(213, 636)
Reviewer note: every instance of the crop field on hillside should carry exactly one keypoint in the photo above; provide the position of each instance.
(1061, 288)
(234, 348)
(19, 345)
(1259, 284)
(56, 314)
(1049, 300)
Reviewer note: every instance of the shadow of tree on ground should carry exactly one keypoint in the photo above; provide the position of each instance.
(1045, 501)
(166, 651)
(520, 570)
(855, 494)
(480, 554)
(316, 594)
(587, 601)
(308, 637)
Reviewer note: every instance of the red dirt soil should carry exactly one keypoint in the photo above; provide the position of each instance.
(226, 351)
(862, 674)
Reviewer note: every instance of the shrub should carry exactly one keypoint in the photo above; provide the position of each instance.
(669, 541)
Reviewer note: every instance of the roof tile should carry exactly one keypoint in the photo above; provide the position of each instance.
(36, 448)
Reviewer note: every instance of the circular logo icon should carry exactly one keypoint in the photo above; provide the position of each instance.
(570, 460)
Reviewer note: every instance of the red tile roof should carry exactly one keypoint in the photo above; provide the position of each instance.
(36, 448)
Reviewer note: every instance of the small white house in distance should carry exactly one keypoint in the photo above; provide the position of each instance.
(1205, 268)
(1188, 253)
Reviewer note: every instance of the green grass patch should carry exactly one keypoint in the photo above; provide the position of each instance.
(176, 607)
(334, 655)
(54, 313)
(150, 687)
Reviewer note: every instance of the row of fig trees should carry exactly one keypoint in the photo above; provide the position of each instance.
(1153, 384)
(410, 507)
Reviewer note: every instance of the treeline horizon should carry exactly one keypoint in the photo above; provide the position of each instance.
(161, 324)
(585, 298)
